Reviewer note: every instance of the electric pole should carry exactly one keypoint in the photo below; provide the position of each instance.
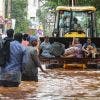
(9, 9)
(72, 2)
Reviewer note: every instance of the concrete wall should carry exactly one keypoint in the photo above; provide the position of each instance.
(32, 7)
(2, 8)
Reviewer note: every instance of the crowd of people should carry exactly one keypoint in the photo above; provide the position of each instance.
(24, 60)
(77, 50)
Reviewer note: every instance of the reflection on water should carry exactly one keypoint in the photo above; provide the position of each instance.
(59, 84)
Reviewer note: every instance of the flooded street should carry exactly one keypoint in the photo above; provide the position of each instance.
(60, 84)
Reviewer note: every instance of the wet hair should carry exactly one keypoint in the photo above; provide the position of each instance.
(46, 37)
(10, 33)
(18, 37)
(25, 36)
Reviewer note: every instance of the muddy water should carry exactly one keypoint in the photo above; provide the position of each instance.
(60, 84)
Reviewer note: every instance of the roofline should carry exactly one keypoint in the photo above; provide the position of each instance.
(76, 8)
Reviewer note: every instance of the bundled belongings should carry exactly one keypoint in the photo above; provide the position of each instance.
(57, 49)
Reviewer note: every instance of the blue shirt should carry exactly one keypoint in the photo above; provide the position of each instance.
(45, 46)
(31, 67)
(87, 44)
(12, 69)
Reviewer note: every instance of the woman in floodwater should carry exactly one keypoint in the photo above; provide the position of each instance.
(74, 50)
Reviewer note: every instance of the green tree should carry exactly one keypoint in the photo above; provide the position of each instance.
(41, 13)
(52, 4)
(55, 3)
(19, 13)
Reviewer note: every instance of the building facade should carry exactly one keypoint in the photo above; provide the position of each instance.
(2, 8)
(31, 13)
(32, 8)
(2, 15)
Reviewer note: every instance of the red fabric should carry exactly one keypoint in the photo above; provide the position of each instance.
(25, 43)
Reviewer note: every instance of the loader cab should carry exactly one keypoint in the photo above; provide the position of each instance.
(75, 22)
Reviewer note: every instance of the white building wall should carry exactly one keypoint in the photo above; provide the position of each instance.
(32, 8)
(2, 8)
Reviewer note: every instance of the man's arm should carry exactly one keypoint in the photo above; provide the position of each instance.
(36, 60)
(84, 48)
(73, 42)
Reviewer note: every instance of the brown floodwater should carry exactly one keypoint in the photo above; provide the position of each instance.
(59, 84)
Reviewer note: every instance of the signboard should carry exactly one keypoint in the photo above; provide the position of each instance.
(8, 23)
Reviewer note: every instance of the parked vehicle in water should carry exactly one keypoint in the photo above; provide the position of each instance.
(75, 21)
